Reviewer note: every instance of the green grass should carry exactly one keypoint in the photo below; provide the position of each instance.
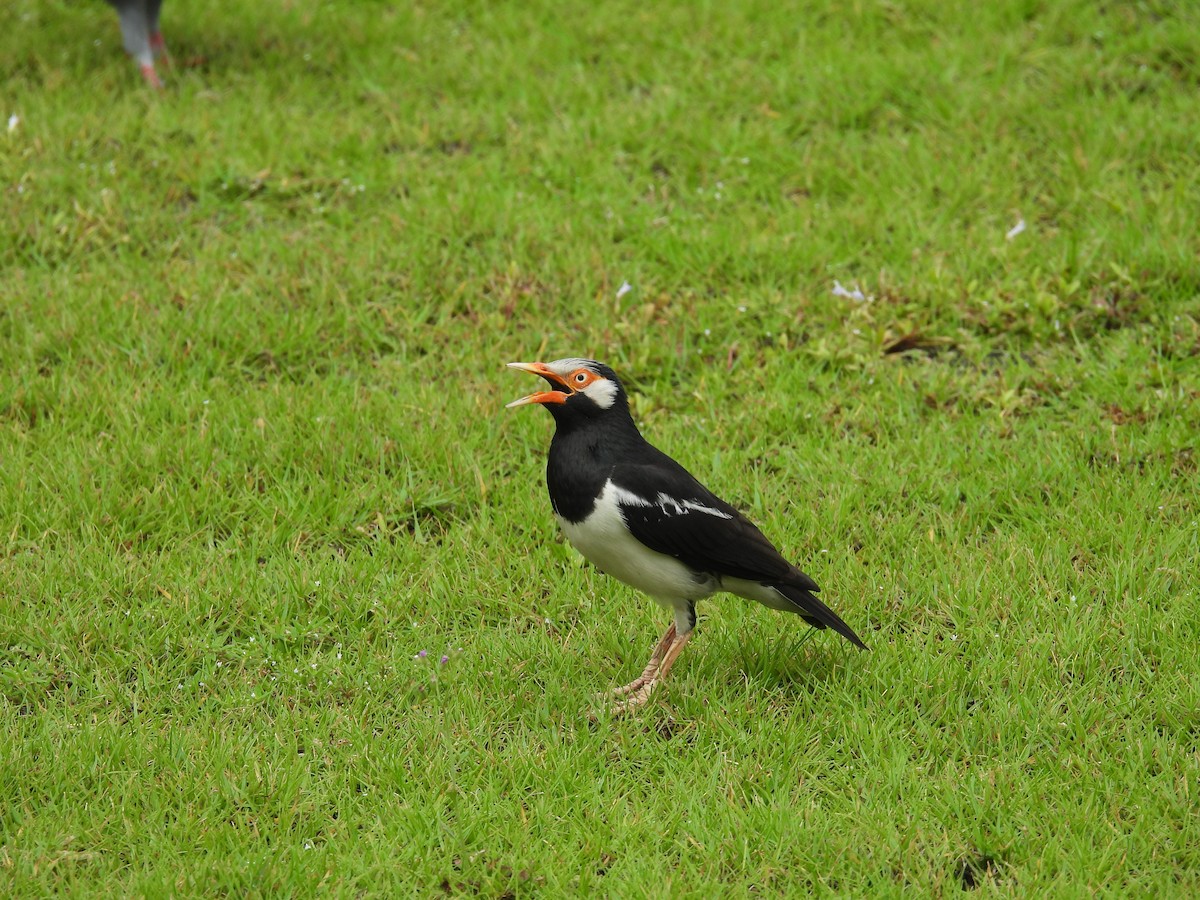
(254, 459)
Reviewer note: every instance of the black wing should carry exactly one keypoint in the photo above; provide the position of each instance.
(671, 512)
(668, 510)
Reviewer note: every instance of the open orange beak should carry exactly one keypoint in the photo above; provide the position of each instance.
(563, 390)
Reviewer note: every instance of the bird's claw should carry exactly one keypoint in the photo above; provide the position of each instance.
(636, 699)
(150, 76)
(624, 689)
(636, 694)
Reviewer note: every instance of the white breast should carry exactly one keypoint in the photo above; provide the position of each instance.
(605, 542)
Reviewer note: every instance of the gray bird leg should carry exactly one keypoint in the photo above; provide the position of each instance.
(136, 16)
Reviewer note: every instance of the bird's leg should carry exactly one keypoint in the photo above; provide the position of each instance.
(159, 47)
(150, 76)
(642, 693)
(135, 34)
(651, 669)
(664, 657)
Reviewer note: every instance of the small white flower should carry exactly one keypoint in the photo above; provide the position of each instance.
(741, 309)
(624, 289)
(13, 121)
(839, 291)
(1015, 230)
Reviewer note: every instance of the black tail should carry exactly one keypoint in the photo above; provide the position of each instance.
(817, 614)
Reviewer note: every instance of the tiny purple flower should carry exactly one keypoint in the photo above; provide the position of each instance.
(423, 654)
(445, 659)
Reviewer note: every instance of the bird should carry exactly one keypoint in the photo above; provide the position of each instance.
(639, 516)
(139, 32)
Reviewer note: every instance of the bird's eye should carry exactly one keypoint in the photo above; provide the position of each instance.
(580, 377)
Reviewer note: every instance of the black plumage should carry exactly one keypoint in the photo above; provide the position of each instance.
(638, 514)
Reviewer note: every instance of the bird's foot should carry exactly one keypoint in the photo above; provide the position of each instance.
(648, 676)
(650, 673)
(635, 699)
(151, 77)
(635, 695)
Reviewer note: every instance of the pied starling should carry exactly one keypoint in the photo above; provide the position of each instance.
(641, 517)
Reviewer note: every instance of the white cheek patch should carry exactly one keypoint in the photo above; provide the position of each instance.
(602, 392)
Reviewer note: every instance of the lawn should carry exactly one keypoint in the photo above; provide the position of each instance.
(283, 609)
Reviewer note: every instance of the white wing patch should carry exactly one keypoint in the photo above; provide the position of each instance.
(672, 507)
(669, 505)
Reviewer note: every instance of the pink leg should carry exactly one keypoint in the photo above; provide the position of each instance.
(159, 47)
(151, 77)
(651, 669)
(642, 693)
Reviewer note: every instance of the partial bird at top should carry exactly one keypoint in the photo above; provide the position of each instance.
(639, 516)
(139, 32)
